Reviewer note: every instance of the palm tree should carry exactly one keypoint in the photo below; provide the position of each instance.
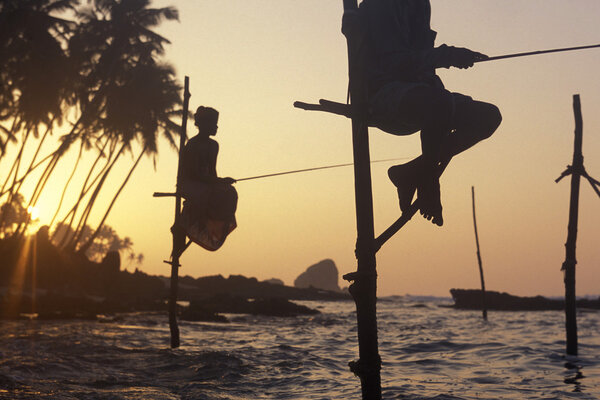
(156, 96)
(35, 72)
(35, 62)
(123, 80)
(112, 39)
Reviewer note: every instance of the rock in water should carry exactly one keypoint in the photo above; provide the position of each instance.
(322, 275)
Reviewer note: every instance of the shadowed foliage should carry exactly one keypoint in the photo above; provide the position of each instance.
(97, 65)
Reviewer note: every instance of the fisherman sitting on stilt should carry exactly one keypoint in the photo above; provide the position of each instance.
(209, 210)
(406, 96)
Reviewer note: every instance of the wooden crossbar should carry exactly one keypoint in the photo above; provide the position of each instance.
(397, 225)
(163, 194)
(326, 106)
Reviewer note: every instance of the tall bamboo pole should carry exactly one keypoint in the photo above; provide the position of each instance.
(178, 233)
(483, 304)
(570, 258)
(364, 288)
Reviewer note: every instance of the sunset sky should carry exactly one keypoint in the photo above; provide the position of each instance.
(251, 59)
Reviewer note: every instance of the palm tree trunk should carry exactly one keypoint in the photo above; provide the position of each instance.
(86, 213)
(14, 169)
(62, 196)
(31, 164)
(39, 187)
(56, 155)
(86, 246)
(84, 189)
(29, 170)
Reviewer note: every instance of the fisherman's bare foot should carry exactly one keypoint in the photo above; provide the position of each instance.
(430, 203)
(405, 178)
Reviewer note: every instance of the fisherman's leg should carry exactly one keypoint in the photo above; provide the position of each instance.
(474, 121)
(428, 188)
(432, 110)
(223, 202)
(471, 121)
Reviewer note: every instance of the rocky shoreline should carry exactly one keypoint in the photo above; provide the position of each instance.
(470, 299)
(52, 284)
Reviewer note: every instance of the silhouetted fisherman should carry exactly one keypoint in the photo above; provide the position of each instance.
(406, 96)
(209, 210)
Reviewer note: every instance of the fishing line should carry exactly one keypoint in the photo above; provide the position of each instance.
(494, 58)
(315, 169)
(534, 53)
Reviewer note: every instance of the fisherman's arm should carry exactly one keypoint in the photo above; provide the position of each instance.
(214, 152)
(392, 43)
(449, 56)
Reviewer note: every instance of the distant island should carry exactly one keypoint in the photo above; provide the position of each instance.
(52, 284)
(322, 275)
(470, 299)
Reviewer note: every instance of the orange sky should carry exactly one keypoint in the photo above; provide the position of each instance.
(252, 59)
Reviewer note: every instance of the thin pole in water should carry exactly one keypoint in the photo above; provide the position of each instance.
(483, 304)
(364, 288)
(178, 234)
(570, 247)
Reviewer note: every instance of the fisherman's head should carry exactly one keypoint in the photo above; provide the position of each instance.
(206, 119)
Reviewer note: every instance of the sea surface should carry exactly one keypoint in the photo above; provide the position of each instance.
(428, 352)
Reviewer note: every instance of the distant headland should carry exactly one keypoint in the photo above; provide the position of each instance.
(43, 282)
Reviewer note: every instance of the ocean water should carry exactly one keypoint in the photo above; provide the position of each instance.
(428, 352)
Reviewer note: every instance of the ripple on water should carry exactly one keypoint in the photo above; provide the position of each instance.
(427, 352)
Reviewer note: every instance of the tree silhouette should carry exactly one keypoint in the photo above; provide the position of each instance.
(103, 69)
(137, 94)
(106, 240)
(13, 214)
(35, 73)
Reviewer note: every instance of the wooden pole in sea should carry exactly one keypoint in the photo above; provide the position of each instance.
(483, 303)
(570, 259)
(364, 288)
(176, 230)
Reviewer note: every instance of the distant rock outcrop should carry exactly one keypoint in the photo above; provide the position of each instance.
(274, 281)
(323, 275)
(248, 288)
(470, 299)
(208, 309)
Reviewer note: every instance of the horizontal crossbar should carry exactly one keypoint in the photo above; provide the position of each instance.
(163, 194)
(326, 106)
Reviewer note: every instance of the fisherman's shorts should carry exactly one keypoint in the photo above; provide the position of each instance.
(392, 108)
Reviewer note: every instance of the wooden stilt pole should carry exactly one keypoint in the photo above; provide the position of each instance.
(483, 304)
(570, 259)
(178, 234)
(364, 288)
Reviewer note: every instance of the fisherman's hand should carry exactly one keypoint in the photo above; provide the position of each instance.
(460, 57)
(228, 181)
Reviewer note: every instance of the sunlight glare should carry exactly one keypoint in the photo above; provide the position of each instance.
(34, 212)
